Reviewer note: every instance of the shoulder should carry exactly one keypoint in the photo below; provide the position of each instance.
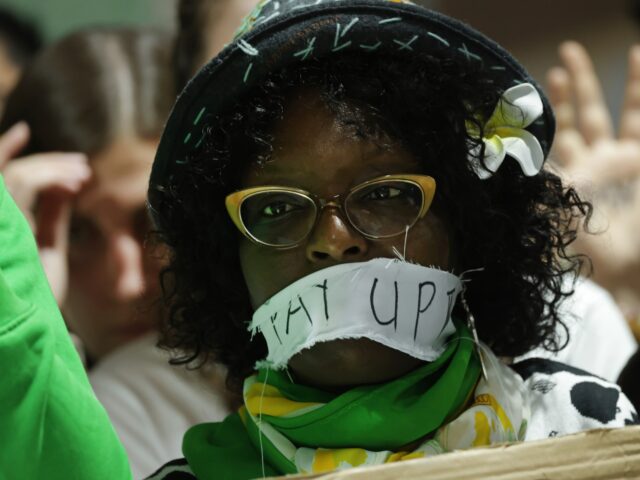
(174, 470)
(137, 353)
(152, 403)
(599, 339)
(564, 399)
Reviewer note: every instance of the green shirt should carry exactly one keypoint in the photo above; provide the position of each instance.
(51, 424)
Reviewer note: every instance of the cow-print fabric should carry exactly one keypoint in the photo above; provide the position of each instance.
(565, 399)
(562, 399)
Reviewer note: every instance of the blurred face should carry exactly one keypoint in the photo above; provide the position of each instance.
(315, 152)
(113, 281)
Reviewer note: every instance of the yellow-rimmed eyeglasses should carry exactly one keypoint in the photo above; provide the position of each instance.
(283, 217)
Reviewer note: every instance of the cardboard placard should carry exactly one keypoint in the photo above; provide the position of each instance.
(592, 455)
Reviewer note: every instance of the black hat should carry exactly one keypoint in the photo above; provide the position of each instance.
(279, 33)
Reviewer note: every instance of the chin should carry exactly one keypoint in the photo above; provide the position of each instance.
(341, 364)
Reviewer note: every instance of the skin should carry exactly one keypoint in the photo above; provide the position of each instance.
(315, 152)
(89, 218)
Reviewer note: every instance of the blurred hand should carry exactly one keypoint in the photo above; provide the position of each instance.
(43, 186)
(603, 166)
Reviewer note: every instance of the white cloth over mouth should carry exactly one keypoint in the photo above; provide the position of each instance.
(401, 305)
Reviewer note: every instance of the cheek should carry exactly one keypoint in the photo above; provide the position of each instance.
(85, 276)
(429, 243)
(267, 271)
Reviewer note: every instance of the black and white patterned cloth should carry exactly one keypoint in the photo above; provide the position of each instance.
(563, 400)
(174, 470)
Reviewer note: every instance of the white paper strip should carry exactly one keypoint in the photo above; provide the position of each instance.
(404, 306)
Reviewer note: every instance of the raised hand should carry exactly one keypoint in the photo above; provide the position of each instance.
(603, 165)
(43, 186)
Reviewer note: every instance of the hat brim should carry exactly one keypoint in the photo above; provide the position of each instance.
(277, 39)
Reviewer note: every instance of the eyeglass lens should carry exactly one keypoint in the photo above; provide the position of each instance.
(384, 209)
(282, 218)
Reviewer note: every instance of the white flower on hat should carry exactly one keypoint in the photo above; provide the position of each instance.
(505, 134)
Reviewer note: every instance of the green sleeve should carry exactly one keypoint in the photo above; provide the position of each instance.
(51, 424)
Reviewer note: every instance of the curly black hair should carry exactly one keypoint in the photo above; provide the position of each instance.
(515, 228)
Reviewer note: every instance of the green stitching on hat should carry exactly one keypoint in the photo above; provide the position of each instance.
(187, 138)
(247, 48)
(370, 48)
(199, 116)
(498, 67)
(201, 139)
(317, 2)
(390, 20)
(349, 25)
(344, 45)
(468, 54)
(438, 37)
(266, 19)
(406, 45)
(181, 162)
(304, 53)
(340, 35)
(246, 73)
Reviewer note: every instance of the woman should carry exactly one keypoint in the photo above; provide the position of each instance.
(350, 132)
(105, 93)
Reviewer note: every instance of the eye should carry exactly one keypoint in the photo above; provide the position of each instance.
(277, 209)
(383, 192)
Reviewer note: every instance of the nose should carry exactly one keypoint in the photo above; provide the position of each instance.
(335, 239)
(126, 267)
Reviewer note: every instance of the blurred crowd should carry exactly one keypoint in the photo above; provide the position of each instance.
(81, 120)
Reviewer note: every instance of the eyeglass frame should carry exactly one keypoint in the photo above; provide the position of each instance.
(234, 201)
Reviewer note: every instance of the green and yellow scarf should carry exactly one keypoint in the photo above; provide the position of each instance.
(287, 428)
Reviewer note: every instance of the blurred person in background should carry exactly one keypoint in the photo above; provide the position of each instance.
(19, 42)
(104, 94)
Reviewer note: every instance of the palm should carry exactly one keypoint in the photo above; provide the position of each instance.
(603, 166)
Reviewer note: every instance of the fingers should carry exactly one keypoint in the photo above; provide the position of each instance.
(12, 141)
(569, 145)
(28, 177)
(559, 87)
(54, 214)
(630, 119)
(593, 115)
